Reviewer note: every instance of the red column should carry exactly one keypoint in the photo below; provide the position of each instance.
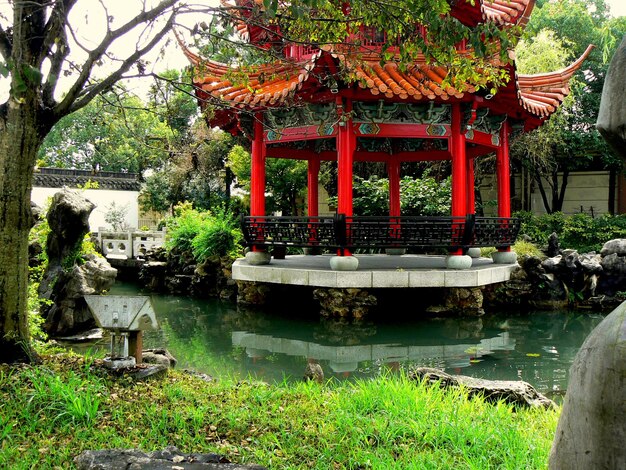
(503, 175)
(313, 181)
(459, 165)
(393, 172)
(257, 171)
(346, 144)
(471, 196)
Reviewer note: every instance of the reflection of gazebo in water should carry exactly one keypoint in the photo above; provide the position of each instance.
(301, 108)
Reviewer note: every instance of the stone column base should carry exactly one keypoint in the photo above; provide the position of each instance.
(344, 263)
(473, 252)
(458, 262)
(257, 258)
(504, 257)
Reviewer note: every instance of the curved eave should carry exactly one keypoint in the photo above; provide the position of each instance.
(541, 94)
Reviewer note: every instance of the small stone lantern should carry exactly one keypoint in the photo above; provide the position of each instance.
(124, 317)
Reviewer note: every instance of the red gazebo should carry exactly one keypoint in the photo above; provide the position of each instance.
(301, 108)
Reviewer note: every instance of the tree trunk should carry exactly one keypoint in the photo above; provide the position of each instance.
(19, 141)
(542, 191)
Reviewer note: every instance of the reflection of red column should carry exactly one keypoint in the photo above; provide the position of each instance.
(257, 170)
(459, 166)
(313, 181)
(503, 175)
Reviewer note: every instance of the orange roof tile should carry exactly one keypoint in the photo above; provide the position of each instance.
(502, 12)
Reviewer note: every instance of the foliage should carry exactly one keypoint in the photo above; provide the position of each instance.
(286, 180)
(321, 22)
(539, 228)
(183, 228)
(202, 233)
(219, 235)
(55, 411)
(581, 232)
(198, 172)
(418, 196)
(115, 215)
(525, 248)
(112, 133)
(557, 34)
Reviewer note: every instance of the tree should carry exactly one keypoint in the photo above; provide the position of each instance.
(558, 32)
(35, 43)
(112, 133)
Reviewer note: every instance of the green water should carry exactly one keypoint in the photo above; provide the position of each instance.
(220, 339)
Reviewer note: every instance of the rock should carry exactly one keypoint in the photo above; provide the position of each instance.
(68, 278)
(591, 263)
(616, 246)
(611, 122)
(158, 356)
(69, 314)
(517, 393)
(466, 301)
(553, 245)
(344, 303)
(314, 372)
(592, 427)
(167, 459)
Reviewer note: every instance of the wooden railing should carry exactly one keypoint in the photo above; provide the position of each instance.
(356, 232)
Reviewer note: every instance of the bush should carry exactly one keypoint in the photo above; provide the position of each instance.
(580, 232)
(539, 228)
(219, 235)
(418, 196)
(183, 228)
(522, 248)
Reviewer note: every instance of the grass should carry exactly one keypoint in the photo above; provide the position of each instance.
(51, 412)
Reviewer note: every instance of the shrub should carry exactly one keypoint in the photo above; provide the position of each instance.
(539, 228)
(183, 228)
(418, 196)
(522, 248)
(219, 235)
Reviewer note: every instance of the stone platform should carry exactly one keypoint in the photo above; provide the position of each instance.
(374, 271)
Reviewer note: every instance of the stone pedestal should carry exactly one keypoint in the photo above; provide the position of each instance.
(458, 262)
(344, 263)
(257, 258)
(473, 252)
(504, 257)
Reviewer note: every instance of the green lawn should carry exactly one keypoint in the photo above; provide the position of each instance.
(49, 413)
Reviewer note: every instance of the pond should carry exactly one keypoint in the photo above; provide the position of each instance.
(221, 339)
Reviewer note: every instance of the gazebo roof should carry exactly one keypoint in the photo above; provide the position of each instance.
(531, 98)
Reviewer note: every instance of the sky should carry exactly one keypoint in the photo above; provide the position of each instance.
(618, 7)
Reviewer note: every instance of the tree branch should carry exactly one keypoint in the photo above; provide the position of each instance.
(5, 44)
(71, 102)
(83, 98)
(55, 35)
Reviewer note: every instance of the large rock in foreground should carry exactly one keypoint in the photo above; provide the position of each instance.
(69, 276)
(168, 459)
(592, 428)
(515, 392)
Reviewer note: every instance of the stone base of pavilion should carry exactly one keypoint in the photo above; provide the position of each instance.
(373, 272)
